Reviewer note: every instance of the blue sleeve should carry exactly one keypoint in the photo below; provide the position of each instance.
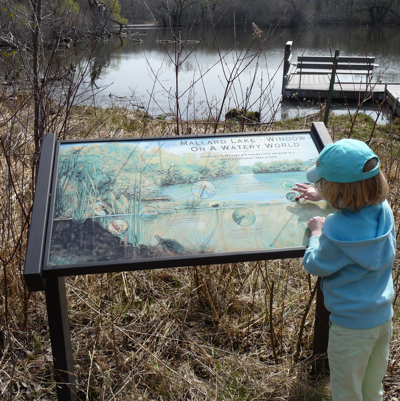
(323, 258)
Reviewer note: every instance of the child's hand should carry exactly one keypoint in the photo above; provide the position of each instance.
(307, 192)
(315, 225)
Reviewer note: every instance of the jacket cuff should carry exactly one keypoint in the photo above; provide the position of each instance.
(313, 241)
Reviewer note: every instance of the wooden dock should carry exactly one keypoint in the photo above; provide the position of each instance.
(317, 87)
(310, 78)
(393, 96)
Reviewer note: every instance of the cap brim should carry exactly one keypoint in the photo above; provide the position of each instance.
(312, 175)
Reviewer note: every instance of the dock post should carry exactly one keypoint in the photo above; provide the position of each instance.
(331, 86)
(286, 64)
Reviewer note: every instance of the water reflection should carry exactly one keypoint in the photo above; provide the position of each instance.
(225, 72)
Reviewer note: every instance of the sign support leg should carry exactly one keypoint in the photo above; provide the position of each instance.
(321, 335)
(57, 310)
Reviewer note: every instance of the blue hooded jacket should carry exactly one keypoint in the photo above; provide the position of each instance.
(354, 256)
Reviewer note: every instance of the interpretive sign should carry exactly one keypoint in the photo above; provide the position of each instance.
(157, 198)
(143, 203)
(163, 202)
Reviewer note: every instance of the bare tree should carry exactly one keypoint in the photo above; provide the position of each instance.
(174, 12)
(378, 10)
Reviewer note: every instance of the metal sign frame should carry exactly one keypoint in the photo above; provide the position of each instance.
(38, 268)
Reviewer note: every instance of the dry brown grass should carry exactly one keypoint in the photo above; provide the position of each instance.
(197, 333)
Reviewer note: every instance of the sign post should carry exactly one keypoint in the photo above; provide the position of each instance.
(145, 203)
(57, 311)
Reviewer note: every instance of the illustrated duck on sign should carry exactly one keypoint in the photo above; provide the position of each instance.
(170, 245)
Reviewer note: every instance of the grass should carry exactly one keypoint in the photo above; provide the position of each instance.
(196, 333)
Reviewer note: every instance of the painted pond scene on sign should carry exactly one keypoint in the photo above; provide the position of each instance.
(139, 199)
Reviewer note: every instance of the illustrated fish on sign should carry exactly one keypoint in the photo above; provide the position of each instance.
(118, 227)
(101, 209)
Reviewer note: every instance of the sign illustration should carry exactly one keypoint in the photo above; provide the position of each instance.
(149, 198)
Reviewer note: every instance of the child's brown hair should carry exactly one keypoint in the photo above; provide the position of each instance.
(355, 195)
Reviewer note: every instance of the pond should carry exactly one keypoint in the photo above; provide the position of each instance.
(215, 71)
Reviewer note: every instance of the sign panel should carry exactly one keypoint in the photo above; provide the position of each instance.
(179, 197)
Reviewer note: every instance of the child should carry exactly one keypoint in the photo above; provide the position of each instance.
(353, 250)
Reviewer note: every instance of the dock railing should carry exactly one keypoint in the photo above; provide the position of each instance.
(323, 65)
(320, 78)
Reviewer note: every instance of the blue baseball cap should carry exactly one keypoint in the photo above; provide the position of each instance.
(343, 161)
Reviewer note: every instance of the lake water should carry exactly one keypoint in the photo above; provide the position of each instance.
(227, 70)
(234, 189)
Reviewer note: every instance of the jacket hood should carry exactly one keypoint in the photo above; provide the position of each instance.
(373, 249)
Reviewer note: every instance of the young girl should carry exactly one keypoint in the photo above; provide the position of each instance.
(353, 250)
